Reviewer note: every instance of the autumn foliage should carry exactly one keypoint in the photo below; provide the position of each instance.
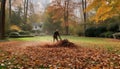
(24, 55)
(104, 9)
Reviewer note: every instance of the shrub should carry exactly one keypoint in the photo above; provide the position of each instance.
(79, 33)
(24, 33)
(107, 34)
(14, 34)
(10, 31)
(90, 32)
(114, 27)
(99, 30)
(102, 35)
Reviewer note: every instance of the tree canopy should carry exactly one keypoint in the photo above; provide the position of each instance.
(104, 9)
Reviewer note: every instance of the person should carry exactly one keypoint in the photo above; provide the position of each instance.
(56, 35)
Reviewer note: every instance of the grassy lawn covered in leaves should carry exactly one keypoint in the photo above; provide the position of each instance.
(82, 41)
(87, 53)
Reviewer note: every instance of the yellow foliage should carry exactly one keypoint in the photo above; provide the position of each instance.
(92, 4)
(104, 9)
(15, 27)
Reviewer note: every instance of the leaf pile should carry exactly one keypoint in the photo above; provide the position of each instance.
(62, 43)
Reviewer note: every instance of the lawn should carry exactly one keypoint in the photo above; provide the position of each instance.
(85, 53)
(106, 43)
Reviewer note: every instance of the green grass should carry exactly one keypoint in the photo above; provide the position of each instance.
(109, 44)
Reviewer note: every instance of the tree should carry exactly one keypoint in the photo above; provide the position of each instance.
(49, 24)
(2, 21)
(10, 10)
(16, 17)
(63, 9)
(105, 9)
(25, 10)
(84, 5)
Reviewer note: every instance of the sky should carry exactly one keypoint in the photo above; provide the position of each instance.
(40, 5)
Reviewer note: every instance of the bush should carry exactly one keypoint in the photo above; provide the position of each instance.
(90, 32)
(20, 34)
(24, 33)
(14, 34)
(113, 27)
(99, 30)
(79, 33)
(107, 34)
(10, 31)
(102, 35)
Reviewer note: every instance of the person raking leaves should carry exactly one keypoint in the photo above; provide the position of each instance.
(56, 36)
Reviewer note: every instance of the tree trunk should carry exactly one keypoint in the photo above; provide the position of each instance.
(84, 4)
(2, 24)
(85, 15)
(10, 11)
(66, 16)
(25, 10)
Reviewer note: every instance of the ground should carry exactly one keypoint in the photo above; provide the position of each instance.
(41, 52)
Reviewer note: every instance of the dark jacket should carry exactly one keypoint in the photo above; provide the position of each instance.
(56, 34)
